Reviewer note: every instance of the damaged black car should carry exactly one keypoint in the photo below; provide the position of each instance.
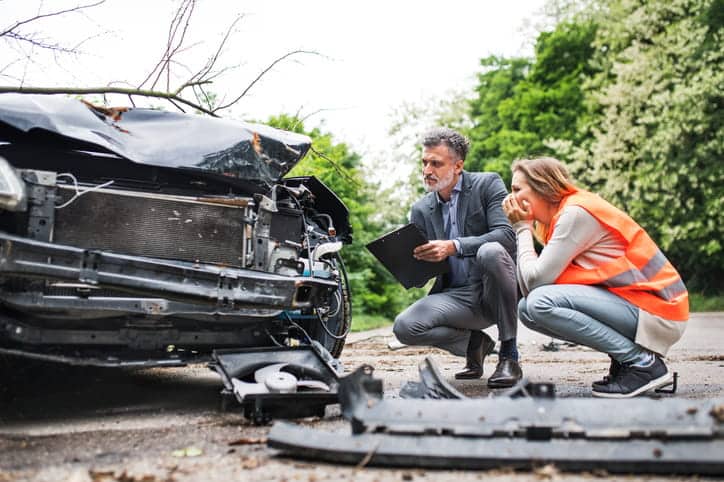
(139, 237)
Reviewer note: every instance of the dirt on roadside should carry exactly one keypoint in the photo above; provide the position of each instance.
(86, 424)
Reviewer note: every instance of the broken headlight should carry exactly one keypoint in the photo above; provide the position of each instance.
(12, 188)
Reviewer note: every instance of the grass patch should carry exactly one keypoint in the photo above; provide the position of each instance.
(699, 302)
(362, 322)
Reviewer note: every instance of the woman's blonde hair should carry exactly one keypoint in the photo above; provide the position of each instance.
(548, 178)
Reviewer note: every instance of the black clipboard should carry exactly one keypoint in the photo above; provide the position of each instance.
(394, 251)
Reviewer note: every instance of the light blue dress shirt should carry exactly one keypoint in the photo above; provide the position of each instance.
(458, 271)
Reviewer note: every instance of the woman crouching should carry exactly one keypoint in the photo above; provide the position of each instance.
(599, 281)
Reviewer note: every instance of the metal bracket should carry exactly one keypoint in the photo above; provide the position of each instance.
(41, 201)
(89, 262)
(673, 384)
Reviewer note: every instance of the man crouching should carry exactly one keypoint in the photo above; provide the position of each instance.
(462, 216)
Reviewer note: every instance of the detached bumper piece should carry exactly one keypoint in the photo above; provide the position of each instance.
(225, 287)
(432, 385)
(272, 383)
(665, 436)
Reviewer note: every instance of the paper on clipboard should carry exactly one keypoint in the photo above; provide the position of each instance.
(394, 251)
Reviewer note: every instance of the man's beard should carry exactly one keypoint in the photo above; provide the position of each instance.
(441, 184)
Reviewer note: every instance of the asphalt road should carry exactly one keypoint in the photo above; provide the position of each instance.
(89, 424)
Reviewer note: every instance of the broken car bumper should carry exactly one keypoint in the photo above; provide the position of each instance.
(225, 287)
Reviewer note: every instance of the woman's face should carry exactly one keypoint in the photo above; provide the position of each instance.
(541, 210)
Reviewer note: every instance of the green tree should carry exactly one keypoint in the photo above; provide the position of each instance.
(524, 107)
(489, 135)
(656, 140)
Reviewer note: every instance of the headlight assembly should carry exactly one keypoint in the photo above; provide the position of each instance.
(12, 188)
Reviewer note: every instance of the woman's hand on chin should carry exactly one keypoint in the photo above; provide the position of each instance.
(515, 211)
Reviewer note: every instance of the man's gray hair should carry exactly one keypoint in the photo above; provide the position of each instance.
(457, 143)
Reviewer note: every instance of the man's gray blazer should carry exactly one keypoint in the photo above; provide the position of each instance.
(480, 215)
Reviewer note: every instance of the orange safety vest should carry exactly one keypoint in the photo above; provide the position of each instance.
(642, 276)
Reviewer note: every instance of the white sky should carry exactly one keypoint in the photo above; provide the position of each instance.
(375, 54)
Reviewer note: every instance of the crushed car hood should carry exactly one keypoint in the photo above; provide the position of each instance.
(158, 138)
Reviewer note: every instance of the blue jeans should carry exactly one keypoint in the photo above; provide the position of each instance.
(587, 315)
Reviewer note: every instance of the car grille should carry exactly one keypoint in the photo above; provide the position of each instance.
(158, 226)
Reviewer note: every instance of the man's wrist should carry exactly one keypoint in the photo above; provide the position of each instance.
(456, 247)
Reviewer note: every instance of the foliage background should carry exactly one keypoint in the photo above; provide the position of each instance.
(627, 92)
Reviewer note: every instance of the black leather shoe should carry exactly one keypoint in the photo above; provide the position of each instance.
(506, 374)
(480, 345)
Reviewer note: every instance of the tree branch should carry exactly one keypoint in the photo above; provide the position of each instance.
(336, 167)
(173, 27)
(50, 14)
(205, 71)
(39, 43)
(170, 96)
(263, 72)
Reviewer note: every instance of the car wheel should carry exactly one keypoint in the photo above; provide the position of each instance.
(333, 332)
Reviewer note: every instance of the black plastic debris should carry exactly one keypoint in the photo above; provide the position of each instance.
(522, 430)
(277, 382)
(432, 385)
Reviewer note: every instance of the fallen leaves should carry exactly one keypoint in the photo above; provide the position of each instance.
(718, 413)
(187, 452)
(248, 441)
(110, 475)
(546, 472)
(250, 463)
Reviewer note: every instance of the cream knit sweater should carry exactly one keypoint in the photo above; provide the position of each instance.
(579, 238)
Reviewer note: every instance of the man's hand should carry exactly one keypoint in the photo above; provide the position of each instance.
(515, 211)
(436, 250)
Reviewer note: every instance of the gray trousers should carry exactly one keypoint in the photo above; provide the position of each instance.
(444, 320)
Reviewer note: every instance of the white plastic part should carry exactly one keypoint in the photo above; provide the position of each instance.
(12, 188)
(242, 389)
(261, 374)
(326, 248)
(281, 382)
(313, 385)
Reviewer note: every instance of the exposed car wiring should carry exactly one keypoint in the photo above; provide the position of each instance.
(338, 297)
(295, 324)
(78, 192)
(271, 337)
(326, 329)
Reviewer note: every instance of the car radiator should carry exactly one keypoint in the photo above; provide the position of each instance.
(160, 226)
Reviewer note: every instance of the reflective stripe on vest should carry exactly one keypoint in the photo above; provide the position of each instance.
(643, 276)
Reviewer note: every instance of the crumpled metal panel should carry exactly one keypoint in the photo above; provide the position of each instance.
(158, 138)
(449, 452)
(530, 418)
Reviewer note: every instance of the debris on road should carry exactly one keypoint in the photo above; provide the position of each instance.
(523, 429)
(278, 382)
(248, 441)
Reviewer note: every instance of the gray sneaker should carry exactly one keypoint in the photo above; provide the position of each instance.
(613, 370)
(631, 380)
